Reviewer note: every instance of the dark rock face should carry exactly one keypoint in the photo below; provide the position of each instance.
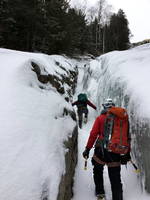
(66, 184)
(58, 80)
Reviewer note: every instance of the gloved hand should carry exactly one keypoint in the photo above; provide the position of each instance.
(86, 153)
(125, 158)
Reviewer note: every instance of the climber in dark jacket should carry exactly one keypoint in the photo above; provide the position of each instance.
(82, 109)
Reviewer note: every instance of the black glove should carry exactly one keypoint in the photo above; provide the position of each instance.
(86, 153)
(125, 158)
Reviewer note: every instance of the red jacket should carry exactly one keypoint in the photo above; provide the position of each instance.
(97, 130)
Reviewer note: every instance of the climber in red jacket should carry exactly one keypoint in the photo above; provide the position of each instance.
(103, 157)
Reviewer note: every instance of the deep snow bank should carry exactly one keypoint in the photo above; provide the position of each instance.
(36, 125)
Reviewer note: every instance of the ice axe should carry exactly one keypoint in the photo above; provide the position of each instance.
(85, 163)
(137, 170)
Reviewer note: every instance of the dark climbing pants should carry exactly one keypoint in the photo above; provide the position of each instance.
(115, 180)
(114, 172)
(82, 111)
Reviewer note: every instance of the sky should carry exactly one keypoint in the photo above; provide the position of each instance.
(137, 13)
(33, 128)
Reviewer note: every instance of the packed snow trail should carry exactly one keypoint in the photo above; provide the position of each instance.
(83, 181)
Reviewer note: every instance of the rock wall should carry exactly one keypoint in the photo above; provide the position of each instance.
(66, 184)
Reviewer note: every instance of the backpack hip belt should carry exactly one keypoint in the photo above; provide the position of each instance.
(109, 164)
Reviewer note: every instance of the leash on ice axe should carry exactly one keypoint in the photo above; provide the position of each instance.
(85, 163)
(137, 170)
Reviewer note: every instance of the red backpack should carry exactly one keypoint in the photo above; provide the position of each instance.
(116, 131)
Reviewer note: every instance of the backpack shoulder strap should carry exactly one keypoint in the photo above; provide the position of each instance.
(108, 127)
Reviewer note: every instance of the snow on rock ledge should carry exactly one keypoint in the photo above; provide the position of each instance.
(37, 125)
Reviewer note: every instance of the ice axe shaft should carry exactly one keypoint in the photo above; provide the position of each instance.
(135, 167)
(85, 164)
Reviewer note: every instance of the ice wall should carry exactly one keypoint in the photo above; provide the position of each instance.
(124, 77)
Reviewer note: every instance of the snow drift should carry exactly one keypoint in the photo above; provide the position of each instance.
(33, 124)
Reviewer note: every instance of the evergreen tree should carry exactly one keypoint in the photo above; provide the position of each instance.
(51, 26)
(56, 23)
(7, 24)
(124, 31)
(21, 24)
(76, 38)
(119, 32)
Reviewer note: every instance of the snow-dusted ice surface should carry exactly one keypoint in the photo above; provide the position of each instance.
(123, 76)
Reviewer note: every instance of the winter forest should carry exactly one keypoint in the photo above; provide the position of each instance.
(54, 27)
(50, 52)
